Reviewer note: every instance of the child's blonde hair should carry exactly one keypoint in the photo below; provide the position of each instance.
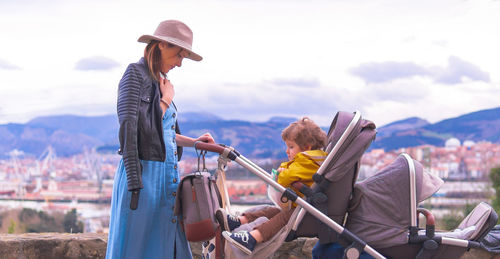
(305, 133)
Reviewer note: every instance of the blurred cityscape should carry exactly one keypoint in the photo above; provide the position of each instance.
(84, 182)
(464, 167)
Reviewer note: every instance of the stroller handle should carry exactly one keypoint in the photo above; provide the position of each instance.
(217, 148)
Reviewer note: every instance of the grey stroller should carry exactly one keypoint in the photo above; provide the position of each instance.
(335, 201)
(383, 213)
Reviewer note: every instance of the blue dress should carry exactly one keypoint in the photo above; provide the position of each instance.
(151, 231)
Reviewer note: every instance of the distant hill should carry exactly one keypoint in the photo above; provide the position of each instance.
(34, 140)
(67, 134)
(286, 120)
(198, 117)
(70, 134)
(480, 125)
(252, 139)
(476, 126)
(401, 125)
(103, 128)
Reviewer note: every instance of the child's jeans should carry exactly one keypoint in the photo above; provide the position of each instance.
(277, 220)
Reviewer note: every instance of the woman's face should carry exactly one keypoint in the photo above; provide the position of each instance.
(171, 56)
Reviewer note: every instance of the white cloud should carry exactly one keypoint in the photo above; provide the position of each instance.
(296, 82)
(96, 63)
(458, 70)
(387, 71)
(250, 102)
(6, 65)
(454, 73)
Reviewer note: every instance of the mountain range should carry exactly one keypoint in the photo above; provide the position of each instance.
(483, 125)
(71, 134)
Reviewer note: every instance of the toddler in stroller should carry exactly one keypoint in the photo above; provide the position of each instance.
(304, 141)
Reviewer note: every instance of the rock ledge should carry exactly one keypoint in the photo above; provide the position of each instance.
(92, 245)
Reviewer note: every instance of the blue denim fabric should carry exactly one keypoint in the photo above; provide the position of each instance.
(151, 231)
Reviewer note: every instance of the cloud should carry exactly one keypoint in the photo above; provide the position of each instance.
(455, 73)
(297, 82)
(4, 64)
(96, 63)
(399, 91)
(457, 70)
(250, 102)
(441, 43)
(386, 71)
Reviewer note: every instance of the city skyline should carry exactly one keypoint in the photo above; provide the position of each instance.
(389, 59)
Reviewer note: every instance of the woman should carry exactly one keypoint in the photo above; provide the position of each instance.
(142, 224)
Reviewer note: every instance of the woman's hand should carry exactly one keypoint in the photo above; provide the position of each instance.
(207, 138)
(167, 91)
(189, 142)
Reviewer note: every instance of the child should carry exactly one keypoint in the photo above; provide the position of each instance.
(304, 141)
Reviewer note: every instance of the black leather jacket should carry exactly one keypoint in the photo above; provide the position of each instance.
(140, 118)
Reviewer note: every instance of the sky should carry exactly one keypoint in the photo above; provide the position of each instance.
(388, 59)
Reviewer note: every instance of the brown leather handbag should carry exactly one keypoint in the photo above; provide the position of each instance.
(196, 203)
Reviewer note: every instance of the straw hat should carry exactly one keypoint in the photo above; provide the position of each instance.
(174, 32)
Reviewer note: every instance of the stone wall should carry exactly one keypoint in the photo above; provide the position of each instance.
(91, 245)
(52, 245)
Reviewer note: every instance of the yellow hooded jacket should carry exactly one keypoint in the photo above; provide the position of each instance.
(301, 168)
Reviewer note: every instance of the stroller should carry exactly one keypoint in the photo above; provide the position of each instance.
(379, 214)
(383, 212)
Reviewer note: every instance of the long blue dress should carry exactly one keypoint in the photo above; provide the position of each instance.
(151, 231)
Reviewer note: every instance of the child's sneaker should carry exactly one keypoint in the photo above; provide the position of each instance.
(227, 222)
(243, 240)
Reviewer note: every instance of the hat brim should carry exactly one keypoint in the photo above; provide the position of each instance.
(192, 55)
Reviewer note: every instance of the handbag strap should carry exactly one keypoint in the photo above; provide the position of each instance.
(201, 157)
(195, 197)
(213, 185)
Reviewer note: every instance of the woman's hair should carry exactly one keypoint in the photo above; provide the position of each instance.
(152, 55)
(305, 133)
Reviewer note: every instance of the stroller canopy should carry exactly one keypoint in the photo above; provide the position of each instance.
(379, 212)
(348, 137)
(352, 146)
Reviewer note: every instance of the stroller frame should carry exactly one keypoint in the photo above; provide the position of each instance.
(357, 245)
(430, 240)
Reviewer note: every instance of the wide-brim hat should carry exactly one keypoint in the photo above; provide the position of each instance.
(174, 32)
